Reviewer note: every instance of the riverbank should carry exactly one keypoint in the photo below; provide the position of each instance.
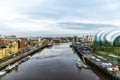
(96, 63)
(14, 59)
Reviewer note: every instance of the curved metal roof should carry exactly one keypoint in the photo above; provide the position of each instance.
(103, 36)
(107, 35)
(98, 35)
(112, 35)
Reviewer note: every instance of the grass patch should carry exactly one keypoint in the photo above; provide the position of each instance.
(108, 49)
(103, 54)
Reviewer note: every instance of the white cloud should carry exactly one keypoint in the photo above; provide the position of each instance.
(44, 15)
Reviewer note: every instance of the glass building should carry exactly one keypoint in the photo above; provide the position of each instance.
(107, 37)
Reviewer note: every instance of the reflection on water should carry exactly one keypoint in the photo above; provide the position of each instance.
(56, 63)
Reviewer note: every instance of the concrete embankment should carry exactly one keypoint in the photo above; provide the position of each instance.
(10, 61)
(96, 66)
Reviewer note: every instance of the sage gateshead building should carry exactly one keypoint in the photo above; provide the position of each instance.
(107, 37)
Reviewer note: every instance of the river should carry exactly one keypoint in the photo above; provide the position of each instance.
(54, 63)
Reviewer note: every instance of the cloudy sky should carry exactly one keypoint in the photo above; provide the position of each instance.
(60, 17)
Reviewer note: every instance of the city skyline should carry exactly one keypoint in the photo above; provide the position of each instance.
(58, 17)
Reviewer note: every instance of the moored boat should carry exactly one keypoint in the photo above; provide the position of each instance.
(79, 64)
(9, 67)
(86, 66)
(2, 73)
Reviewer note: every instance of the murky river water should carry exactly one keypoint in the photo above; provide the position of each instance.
(55, 63)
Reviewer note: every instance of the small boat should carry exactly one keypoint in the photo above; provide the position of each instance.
(9, 67)
(2, 73)
(24, 60)
(79, 64)
(86, 66)
(19, 62)
(70, 45)
(28, 57)
(14, 65)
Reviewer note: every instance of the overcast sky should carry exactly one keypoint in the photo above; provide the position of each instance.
(58, 16)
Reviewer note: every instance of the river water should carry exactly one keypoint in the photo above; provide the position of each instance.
(54, 63)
